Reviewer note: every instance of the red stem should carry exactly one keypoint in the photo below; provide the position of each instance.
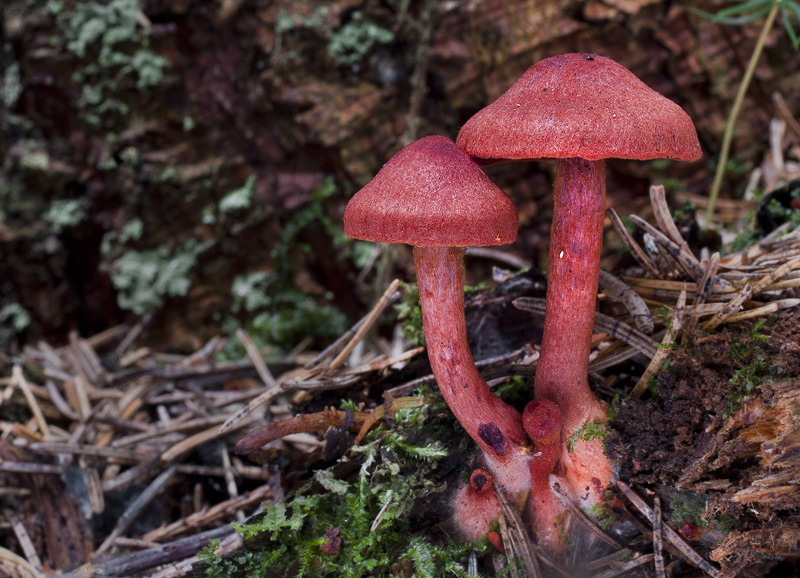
(495, 426)
(542, 420)
(576, 241)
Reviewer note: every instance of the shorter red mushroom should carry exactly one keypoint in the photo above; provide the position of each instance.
(432, 195)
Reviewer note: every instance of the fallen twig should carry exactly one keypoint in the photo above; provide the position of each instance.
(671, 535)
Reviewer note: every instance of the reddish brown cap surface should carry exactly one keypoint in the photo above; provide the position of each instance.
(580, 105)
(432, 193)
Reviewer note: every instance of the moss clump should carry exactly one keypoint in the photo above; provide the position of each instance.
(755, 370)
(277, 315)
(362, 526)
(356, 39)
(143, 279)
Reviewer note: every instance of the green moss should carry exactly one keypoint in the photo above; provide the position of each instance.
(477, 287)
(516, 391)
(256, 564)
(278, 315)
(592, 430)
(751, 232)
(755, 371)
(311, 214)
(687, 211)
(603, 514)
(664, 315)
(273, 311)
(409, 313)
(688, 508)
(370, 512)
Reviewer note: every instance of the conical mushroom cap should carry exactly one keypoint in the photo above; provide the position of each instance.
(580, 105)
(431, 193)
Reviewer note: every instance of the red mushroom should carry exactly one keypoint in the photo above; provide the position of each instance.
(434, 196)
(579, 109)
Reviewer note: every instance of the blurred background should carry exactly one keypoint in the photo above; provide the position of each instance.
(188, 163)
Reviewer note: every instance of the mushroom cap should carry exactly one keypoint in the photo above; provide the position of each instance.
(580, 105)
(431, 193)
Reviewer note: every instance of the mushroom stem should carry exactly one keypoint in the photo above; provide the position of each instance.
(542, 420)
(576, 241)
(562, 372)
(495, 426)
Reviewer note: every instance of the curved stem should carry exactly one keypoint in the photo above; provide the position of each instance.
(576, 240)
(495, 426)
(737, 105)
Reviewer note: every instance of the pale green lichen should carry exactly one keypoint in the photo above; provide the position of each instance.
(111, 39)
(66, 213)
(12, 85)
(144, 279)
(353, 41)
(14, 316)
(238, 199)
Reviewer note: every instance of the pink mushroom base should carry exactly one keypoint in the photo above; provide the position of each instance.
(562, 371)
(475, 508)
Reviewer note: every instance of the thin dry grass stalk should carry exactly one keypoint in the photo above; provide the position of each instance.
(139, 423)
(669, 534)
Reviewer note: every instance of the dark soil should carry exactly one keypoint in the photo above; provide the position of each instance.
(714, 429)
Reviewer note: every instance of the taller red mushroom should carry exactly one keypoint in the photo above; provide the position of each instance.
(579, 109)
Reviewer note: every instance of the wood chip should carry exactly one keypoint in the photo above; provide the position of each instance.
(658, 537)
(23, 538)
(16, 566)
(19, 380)
(617, 289)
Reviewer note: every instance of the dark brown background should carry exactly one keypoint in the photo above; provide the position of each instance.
(268, 97)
